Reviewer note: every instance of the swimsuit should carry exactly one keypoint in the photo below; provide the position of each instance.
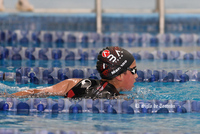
(92, 88)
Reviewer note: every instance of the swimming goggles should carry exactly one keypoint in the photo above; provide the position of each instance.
(133, 70)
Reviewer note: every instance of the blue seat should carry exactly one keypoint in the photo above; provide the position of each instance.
(59, 40)
(33, 76)
(154, 42)
(126, 109)
(120, 41)
(162, 55)
(140, 42)
(149, 76)
(130, 39)
(84, 56)
(70, 56)
(143, 108)
(198, 76)
(175, 54)
(29, 53)
(156, 75)
(12, 39)
(42, 54)
(188, 56)
(22, 75)
(71, 41)
(45, 75)
(177, 42)
(50, 76)
(188, 39)
(163, 75)
(107, 41)
(198, 42)
(196, 106)
(35, 39)
(95, 37)
(23, 107)
(4, 53)
(92, 73)
(2, 104)
(56, 54)
(140, 76)
(78, 73)
(94, 54)
(162, 110)
(143, 39)
(150, 56)
(108, 108)
(180, 109)
(16, 55)
(63, 74)
(75, 108)
(169, 77)
(198, 54)
(84, 41)
(137, 56)
(48, 38)
(24, 41)
(2, 36)
(167, 40)
(178, 73)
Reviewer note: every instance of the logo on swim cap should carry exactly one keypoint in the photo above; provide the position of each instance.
(105, 53)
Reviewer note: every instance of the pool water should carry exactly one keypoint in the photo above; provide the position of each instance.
(102, 123)
(110, 123)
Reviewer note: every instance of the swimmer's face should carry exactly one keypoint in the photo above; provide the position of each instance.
(129, 79)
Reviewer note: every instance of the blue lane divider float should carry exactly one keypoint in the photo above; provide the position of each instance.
(114, 106)
(44, 53)
(40, 75)
(38, 53)
(85, 40)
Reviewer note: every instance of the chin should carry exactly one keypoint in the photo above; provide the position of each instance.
(129, 89)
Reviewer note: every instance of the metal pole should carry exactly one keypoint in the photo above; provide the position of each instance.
(98, 16)
(162, 16)
(157, 6)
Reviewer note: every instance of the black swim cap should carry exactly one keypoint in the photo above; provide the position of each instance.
(112, 61)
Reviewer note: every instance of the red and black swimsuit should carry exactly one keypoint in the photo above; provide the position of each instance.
(92, 88)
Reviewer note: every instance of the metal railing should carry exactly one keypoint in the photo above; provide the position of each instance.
(159, 8)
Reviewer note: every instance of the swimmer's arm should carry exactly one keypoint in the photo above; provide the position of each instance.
(59, 89)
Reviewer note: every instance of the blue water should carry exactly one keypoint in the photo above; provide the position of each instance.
(108, 123)
(112, 123)
(142, 90)
(93, 123)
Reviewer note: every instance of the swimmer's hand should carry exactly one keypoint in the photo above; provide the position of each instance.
(6, 95)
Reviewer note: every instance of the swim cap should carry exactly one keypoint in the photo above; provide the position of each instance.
(112, 61)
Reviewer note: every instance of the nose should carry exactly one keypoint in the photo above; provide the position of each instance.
(136, 76)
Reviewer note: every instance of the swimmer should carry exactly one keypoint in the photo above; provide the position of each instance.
(117, 68)
(22, 5)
